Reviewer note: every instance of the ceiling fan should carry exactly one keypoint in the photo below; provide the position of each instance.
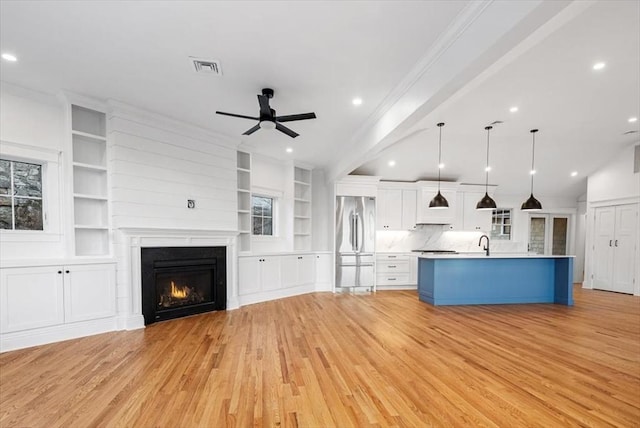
(268, 118)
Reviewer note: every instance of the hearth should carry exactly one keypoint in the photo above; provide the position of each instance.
(182, 281)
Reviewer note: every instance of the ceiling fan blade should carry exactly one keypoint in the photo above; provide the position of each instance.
(292, 117)
(252, 130)
(265, 110)
(238, 115)
(286, 130)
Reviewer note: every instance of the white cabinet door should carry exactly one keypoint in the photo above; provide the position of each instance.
(625, 257)
(409, 206)
(270, 273)
(324, 273)
(89, 292)
(306, 269)
(389, 216)
(249, 275)
(289, 265)
(31, 298)
(473, 219)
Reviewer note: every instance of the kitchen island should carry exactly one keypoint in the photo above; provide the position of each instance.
(476, 279)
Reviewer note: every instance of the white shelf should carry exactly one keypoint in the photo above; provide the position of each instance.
(301, 209)
(89, 135)
(302, 200)
(90, 200)
(244, 190)
(243, 171)
(89, 166)
(90, 227)
(302, 183)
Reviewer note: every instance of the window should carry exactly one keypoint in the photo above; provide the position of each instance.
(262, 215)
(501, 224)
(20, 195)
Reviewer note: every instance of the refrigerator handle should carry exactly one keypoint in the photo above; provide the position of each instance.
(352, 223)
(358, 238)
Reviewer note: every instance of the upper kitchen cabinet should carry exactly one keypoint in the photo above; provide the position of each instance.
(428, 215)
(396, 209)
(469, 218)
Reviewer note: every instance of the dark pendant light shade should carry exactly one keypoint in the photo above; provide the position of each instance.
(486, 203)
(439, 201)
(532, 204)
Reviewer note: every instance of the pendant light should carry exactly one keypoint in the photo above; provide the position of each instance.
(439, 201)
(532, 204)
(486, 203)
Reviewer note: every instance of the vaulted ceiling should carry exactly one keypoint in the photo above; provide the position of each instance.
(412, 63)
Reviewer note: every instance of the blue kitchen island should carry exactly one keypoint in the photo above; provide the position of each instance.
(459, 279)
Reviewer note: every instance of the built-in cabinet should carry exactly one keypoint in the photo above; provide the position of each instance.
(54, 297)
(396, 271)
(301, 209)
(614, 253)
(396, 209)
(243, 171)
(470, 218)
(274, 276)
(90, 182)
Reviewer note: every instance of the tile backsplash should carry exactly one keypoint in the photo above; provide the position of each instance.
(435, 237)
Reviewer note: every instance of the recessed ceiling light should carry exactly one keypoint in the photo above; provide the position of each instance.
(574, 173)
(9, 57)
(357, 101)
(633, 119)
(513, 109)
(392, 163)
(289, 150)
(599, 65)
(441, 165)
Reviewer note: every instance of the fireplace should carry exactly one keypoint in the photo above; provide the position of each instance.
(182, 281)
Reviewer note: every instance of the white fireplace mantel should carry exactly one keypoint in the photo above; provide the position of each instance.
(128, 243)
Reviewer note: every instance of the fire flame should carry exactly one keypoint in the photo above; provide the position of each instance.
(178, 292)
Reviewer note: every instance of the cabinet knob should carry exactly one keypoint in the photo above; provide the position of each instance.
(60, 272)
(299, 258)
(616, 244)
(66, 271)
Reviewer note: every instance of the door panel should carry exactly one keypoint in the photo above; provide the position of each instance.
(624, 249)
(537, 234)
(603, 248)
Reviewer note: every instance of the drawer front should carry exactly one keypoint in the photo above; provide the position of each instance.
(391, 257)
(393, 266)
(391, 279)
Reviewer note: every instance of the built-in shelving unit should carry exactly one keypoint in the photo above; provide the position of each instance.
(302, 209)
(90, 197)
(244, 200)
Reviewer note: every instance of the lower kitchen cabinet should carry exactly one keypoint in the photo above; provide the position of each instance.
(396, 271)
(46, 296)
(257, 274)
(324, 272)
(297, 270)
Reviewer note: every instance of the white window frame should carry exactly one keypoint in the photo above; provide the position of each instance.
(502, 226)
(49, 160)
(274, 216)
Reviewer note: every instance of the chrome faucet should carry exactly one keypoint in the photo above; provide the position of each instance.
(486, 248)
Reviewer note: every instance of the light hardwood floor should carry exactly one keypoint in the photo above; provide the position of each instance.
(324, 360)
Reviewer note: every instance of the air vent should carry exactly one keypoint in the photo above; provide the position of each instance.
(629, 132)
(206, 66)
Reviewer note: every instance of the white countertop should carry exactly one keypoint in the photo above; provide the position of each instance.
(492, 256)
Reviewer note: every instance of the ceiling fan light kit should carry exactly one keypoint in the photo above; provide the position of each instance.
(268, 119)
(439, 201)
(532, 204)
(486, 203)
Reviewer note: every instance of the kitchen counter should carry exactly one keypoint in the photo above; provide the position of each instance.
(472, 279)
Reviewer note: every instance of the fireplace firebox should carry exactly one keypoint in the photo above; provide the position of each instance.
(182, 281)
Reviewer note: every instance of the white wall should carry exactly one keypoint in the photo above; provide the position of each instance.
(321, 212)
(32, 127)
(155, 169)
(613, 184)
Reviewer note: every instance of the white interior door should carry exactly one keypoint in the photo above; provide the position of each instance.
(603, 248)
(624, 252)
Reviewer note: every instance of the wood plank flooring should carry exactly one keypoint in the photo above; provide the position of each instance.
(324, 360)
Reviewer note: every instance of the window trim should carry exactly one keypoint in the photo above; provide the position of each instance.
(502, 224)
(49, 160)
(12, 195)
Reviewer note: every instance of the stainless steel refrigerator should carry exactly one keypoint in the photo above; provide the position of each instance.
(355, 243)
